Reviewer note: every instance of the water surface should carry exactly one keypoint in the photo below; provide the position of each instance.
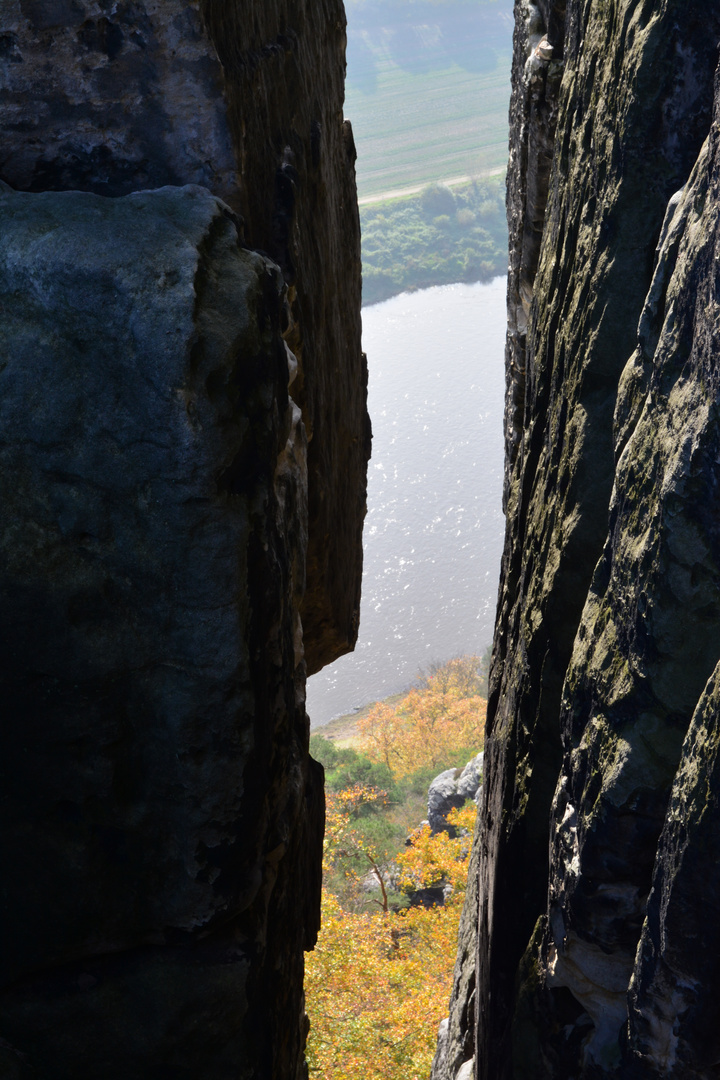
(434, 530)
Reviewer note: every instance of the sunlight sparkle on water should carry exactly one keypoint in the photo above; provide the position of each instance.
(427, 495)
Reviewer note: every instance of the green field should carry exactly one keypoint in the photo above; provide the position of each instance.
(437, 126)
(428, 87)
(427, 92)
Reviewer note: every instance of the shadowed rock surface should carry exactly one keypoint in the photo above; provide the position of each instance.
(180, 537)
(153, 751)
(592, 949)
(245, 98)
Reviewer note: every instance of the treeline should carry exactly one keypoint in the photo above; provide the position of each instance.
(440, 236)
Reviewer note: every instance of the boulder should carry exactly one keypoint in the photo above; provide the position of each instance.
(470, 780)
(450, 790)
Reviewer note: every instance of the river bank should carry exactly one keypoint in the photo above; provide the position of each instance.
(438, 235)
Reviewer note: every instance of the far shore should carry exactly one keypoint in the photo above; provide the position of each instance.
(343, 729)
(455, 181)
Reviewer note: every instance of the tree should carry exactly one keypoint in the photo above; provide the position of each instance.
(379, 980)
(344, 845)
(435, 859)
(444, 717)
(377, 984)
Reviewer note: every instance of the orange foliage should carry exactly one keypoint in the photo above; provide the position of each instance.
(377, 985)
(430, 724)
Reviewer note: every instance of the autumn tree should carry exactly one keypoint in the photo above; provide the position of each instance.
(348, 849)
(438, 858)
(443, 716)
(377, 984)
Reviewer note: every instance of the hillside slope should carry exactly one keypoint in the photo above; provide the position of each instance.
(428, 89)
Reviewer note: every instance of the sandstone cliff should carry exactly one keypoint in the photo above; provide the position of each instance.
(183, 448)
(596, 942)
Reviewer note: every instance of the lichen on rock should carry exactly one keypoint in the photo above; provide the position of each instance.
(182, 463)
(607, 616)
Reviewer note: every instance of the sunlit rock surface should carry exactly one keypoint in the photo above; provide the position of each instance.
(451, 789)
(599, 808)
(182, 468)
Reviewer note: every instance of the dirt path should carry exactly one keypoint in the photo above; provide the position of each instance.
(398, 193)
(343, 729)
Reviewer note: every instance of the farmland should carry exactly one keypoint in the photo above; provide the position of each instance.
(427, 91)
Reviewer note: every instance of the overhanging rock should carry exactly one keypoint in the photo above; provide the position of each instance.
(245, 99)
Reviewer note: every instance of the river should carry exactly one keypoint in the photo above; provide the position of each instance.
(434, 529)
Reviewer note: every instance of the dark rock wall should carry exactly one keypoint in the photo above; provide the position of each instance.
(179, 271)
(606, 632)
(153, 753)
(244, 98)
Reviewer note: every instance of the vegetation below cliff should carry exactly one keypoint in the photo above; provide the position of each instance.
(435, 237)
(379, 979)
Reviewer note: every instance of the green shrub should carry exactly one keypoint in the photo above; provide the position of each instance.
(434, 238)
(345, 767)
(437, 199)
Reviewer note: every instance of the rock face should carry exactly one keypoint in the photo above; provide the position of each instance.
(244, 98)
(595, 946)
(182, 472)
(451, 790)
(144, 696)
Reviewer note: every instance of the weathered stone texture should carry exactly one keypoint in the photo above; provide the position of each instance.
(648, 639)
(180, 539)
(673, 1004)
(244, 98)
(607, 622)
(161, 822)
(450, 790)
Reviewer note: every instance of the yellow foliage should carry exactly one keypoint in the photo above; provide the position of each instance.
(378, 985)
(444, 716)
(341, 808)
(343, 841)
(430, 859)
